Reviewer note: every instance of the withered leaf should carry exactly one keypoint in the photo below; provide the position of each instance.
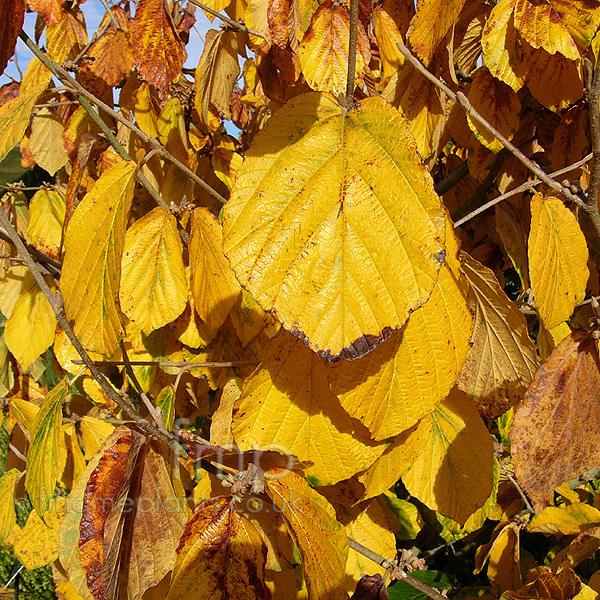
(554, 435)
(13, 15)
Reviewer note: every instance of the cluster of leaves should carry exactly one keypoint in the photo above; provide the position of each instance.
(245, 367)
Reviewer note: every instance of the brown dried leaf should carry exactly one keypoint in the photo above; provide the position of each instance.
(553, 434)
(220, 555)
(217, 72)
(503, 360)
(158, 51)
(13, 15)
(563, 585)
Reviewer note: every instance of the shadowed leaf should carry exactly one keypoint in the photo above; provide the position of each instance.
(13, 16)
(554, 436)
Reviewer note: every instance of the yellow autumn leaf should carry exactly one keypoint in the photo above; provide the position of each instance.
(73, 462)
(321, 540)
(286, 403)
(248, 318)
(46, 217)
(31, 327)
(502, 361)
(371, 529)
(405, 378)
(153, 290)
(324, 49)
(387, 36)
(65, 353)
(214, 286)
(15, 114)
(44, 456)
(499, 106)
(499, 44)
(397, 459)
(556, 26)
(305, 220)
(14, 281)
(558, 256)
(431, 24)
(46, 143)
(92, 263)
(454, 473)
(25, 413)
(36, 545)
(220, 425)
(8, 518)
(93, 433)
(569, 519)
(547, 339)
(141, 99)
(166, 402)
(67, 37)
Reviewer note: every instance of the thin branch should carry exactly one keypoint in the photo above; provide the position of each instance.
(446, 184)
(593, 98)
(86, 97)
(522, 188)
(351, 75)
(462, 100)
(518, 488)
(55, 302)
(227, 20)
(384, 562)
(181, 365)
(156, 414)
(110, 13)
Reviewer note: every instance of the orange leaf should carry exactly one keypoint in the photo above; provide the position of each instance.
(49, 10)
(555, 424)
(112, 58)
(13, 15)
(563, 585)
(158, 51)
(220, 555)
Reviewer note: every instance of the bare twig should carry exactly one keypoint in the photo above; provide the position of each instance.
(446, 184)
(156, 414)
(462, 100)
(518, 488)
(86, 97)
(384, 562)
(180, 365)
(593, 97)
(353, 38)
(522, 188)
(226, 19)
(55, 302)
(110, 13)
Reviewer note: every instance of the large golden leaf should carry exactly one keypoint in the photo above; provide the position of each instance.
(67, 37)
(153, 290)
(333, 223)
(287, 402)
(44, 456)
(454, 474)
(558, 256)
(213, 284)
(320, 539)
(31, 327)
(563, 26)
(555, 427)
(158, 50)
(8, 517)
(221, 555)
(405, 378)
(92, 265)
(502, 360)
(15, 114)
(431, 24)
(324, 49)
